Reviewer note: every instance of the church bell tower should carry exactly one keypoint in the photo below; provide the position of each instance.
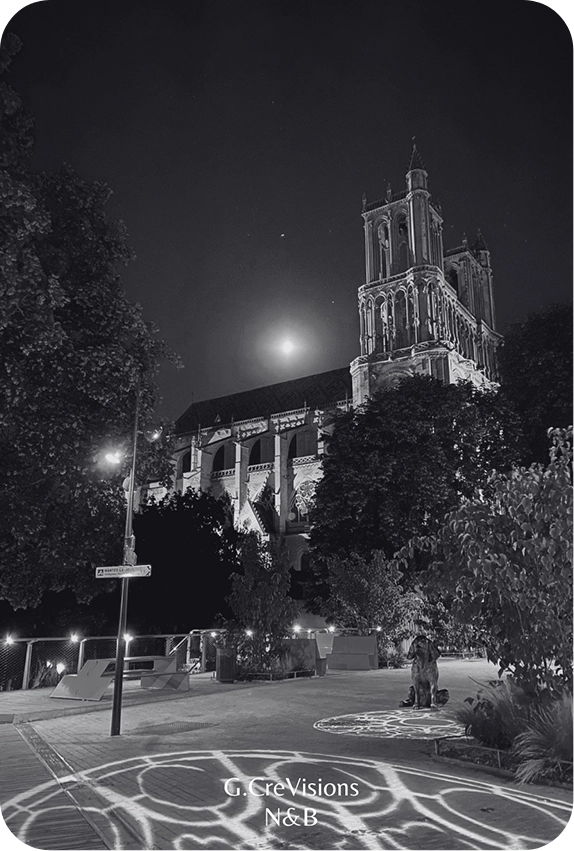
(422, 310)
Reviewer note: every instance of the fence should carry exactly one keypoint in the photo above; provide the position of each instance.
(27, 663)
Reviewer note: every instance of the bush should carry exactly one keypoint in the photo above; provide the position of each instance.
(255, 654)
(391, 657)
(497, 715)
(545, 747)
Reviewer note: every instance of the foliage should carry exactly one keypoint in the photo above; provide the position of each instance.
(73, 351)
(390, 657)
(505, 561)
(499, 712)
(260, 598)
(435, 619)
(535, 363)
(365, 593)
(397, 464)
(190, 542)
(545, 747)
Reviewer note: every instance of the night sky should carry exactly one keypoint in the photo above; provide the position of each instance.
(239, 137)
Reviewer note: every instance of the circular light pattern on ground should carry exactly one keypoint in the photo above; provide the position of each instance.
(206, 800)
(404, 723)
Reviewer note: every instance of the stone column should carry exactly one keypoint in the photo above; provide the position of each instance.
(241, 463)
(280, 467)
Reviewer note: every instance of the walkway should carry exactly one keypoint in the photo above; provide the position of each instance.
(321, 763)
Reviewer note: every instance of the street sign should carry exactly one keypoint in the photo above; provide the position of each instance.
(123, 570)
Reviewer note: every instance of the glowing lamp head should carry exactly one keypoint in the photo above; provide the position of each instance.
(249, 632)
(114, 458)
(9, 639)
(287, 347)
(74, 638)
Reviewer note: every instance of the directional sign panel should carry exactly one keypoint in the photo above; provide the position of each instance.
(123, 570)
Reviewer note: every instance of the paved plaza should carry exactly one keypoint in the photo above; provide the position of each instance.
(321, 763)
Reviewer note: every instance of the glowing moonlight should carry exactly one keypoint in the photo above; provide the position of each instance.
(287, 347)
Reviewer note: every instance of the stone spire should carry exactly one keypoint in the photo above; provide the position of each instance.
(416, 159)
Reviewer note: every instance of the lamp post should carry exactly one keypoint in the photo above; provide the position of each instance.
(129, 558)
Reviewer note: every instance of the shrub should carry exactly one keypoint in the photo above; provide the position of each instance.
(545, 747)
(391, 657)
(497, 715)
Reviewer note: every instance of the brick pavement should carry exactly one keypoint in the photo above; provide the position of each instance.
(162, 783)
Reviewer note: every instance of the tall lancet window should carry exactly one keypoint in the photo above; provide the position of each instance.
(384, 250)
(403, 243)
(452, 278)
(402, 337)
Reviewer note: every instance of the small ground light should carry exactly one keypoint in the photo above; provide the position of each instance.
(296, 629)
(378, 628)
(60, 667)
(213, 634)
(249, 632)
(331, 629)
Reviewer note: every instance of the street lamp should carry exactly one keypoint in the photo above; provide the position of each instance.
(129, 559)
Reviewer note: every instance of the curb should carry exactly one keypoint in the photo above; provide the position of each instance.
(497, 772)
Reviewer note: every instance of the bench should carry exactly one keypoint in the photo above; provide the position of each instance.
(96, 675)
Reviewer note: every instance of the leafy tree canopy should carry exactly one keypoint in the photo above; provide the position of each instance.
(535, 363)
(191, 544)
(73, 351)
(397, 464)
(366, 594)
(505, 560)
(260, 600)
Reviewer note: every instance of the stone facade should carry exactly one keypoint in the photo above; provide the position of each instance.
(421, 311)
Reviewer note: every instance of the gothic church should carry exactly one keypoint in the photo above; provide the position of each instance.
(422, 310)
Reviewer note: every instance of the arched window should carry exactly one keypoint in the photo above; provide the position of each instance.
(255, 454)
(186, 462)
(292, 451)
(403, 244)
(219, 460)
(452, 278)
(402, 337)
(383, 235)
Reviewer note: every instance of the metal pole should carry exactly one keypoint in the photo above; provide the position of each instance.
(27, 666)
(81, 651)
(128, 546)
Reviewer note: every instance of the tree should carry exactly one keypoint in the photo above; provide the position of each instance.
(366, 593)
(191, 543)
(505, 560)
(535, 363)
(397, 464)
(260, 598)
(73, 351)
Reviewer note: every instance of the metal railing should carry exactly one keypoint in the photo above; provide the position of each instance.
(27, 663)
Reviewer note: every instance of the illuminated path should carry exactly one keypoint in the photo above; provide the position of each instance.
(179, 800)
(350, 754)
(404, 723)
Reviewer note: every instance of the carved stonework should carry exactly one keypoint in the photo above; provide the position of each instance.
(385, 376)
(305, 495)
(291, 419)
(244, 430)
